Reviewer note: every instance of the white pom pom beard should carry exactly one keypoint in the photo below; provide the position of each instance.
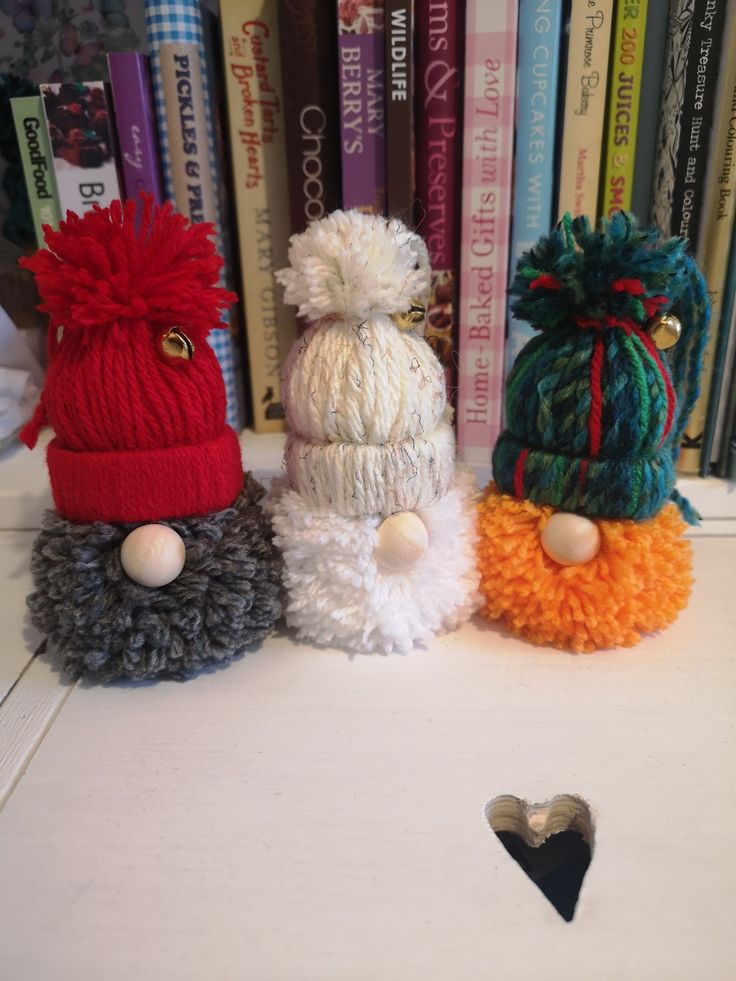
(337, 595)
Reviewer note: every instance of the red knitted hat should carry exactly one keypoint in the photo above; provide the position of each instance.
(140, 431)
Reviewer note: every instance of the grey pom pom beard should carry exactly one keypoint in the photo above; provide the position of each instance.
(103, 625)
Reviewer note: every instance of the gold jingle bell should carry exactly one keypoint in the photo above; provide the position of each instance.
(176, 345)
(665, 331)
(411, 318)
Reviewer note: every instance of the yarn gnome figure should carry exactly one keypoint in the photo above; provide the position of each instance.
(581, 535)
(373, 517)
(158, 559)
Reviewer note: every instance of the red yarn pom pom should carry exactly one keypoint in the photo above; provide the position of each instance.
(131, 263)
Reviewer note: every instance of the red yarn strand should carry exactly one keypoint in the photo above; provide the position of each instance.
(634, 287)
(519, 474)
(546, 281)
(596, 405)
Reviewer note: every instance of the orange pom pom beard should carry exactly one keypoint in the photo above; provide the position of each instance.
(638, 582)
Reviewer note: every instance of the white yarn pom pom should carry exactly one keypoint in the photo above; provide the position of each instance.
(337, 593)
(353, 266)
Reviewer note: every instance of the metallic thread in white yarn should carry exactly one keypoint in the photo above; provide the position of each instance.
(359, 478)
(362, 383)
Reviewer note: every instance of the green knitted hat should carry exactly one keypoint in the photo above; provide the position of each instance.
(594, 409)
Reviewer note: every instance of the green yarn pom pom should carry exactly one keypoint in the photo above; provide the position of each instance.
(579, 273)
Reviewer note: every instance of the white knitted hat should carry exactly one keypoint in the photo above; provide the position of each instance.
(365, 400)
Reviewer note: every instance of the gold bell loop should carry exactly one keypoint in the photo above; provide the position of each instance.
(176, 345)
(665, 331)
(411, 318)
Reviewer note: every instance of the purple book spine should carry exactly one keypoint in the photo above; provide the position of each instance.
(362, 109)
(130, 79)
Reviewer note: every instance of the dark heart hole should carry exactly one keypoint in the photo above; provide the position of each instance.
(552, 842)
(557, 866)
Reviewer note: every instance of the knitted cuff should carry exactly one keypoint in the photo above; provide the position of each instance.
(146, 485)
(360, 478)
(599, 487)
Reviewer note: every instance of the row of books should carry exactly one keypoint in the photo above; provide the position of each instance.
(479, 123)
(152, 129)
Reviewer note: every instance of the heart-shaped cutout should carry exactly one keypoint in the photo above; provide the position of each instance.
(552, 842)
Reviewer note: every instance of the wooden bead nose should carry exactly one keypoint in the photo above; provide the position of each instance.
(402, 540)
(153, 555)
(570, 539)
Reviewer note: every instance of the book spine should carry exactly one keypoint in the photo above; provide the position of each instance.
(36, 156)
(399, 106)
(721, 357)
(672, 96)
(731, 472)
(585, 104)
(727, 455)
(181, 24)
(438, 122)
(651, 86)
(193, 187)
(719, 210)
(130, 80)
(624, 90)
(258, 148)
(701, 78)
(308, 35)
(540, 31)
(360, 40)
(729, 303)
(488, 142)
(79, 127)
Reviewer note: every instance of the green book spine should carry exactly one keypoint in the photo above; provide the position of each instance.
(38, 169)
(624, 91)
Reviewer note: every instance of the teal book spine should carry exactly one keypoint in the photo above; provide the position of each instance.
(540, 32)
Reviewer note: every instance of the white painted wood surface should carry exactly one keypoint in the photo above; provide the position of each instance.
(18, 639)
(307, 815)
(24, 485)
(26, 716)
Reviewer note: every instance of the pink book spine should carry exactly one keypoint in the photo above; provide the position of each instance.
(488, 143)
(438, 139)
